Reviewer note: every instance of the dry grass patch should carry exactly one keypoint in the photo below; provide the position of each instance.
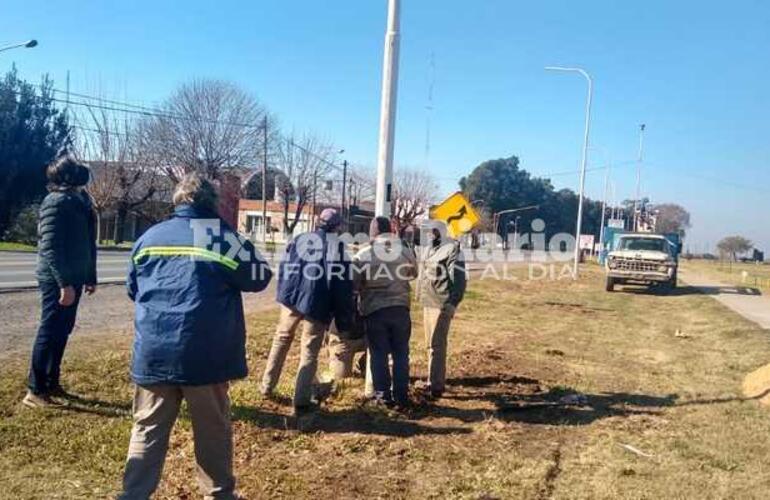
(657, 416)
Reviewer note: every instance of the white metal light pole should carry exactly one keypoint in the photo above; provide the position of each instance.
(28, 45)
(638, 198)
(589, 99)
(388, 110)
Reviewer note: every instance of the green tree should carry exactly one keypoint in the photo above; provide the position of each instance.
(503, 185)
(32, 131)
(24, 226)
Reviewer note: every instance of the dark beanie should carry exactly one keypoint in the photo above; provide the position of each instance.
(378, 226)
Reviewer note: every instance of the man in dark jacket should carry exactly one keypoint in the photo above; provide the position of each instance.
(314, 287)
(186, 276)
(66, 267)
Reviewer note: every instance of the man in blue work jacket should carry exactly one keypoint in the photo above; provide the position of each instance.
(186, 276)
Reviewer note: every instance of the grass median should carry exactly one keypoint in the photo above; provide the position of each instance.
(557, 390)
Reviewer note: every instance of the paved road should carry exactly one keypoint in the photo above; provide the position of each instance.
(746, 301)
(107, 313)
(17, 269)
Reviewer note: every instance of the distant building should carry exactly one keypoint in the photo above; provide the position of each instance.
(250, 219)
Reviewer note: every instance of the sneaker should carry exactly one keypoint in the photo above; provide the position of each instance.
(32, 400)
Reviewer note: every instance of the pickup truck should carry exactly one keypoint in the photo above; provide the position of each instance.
(642, 259)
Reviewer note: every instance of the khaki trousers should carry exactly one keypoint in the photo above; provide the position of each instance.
(155, 410)
(342, 353)
(311, 342)
(436, 322)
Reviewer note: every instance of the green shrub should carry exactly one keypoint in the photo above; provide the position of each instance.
(24, 226)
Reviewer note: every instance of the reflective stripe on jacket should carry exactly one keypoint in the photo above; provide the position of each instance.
(186, 276)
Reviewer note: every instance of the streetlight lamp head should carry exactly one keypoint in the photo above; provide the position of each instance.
(31, 43)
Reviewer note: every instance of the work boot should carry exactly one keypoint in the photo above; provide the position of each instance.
(59, 392)
(305, 416)
(32, 400)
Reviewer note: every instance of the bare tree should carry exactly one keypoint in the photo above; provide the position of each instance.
(362, 186)
(211, 126)
(121, 183)
(306, 162)
(413, 193)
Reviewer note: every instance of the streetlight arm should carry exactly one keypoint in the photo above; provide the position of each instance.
(28, 44)
(573, 70)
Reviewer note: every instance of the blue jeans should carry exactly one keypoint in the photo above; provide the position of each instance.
(388, 331)
(56, 324)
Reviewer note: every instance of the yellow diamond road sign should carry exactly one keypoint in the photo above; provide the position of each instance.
(457, 213)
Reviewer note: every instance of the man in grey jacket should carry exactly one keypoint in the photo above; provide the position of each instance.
(442, 286)
(382, 274)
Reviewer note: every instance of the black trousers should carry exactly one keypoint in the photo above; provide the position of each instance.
(56, 324)
(387, 332)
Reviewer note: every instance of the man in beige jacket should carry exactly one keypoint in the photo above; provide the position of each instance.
(383, 270)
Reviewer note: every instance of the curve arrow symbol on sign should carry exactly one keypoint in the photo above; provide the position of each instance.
(458, 216)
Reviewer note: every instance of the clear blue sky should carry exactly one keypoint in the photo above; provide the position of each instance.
(696, 72)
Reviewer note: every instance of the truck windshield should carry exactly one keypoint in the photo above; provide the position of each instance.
(648, 244)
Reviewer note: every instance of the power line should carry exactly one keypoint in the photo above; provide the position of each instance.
(137, 109)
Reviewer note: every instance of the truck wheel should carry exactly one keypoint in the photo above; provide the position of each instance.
(668, 286)
(610, 284)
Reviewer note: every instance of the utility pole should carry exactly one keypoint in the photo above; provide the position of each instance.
(429, 109)
(344, 185)
(638, 198)
(315, 189)
(604, 204)
(388, 111)
(264, 180)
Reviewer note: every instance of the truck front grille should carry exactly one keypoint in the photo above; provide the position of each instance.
(637, 265)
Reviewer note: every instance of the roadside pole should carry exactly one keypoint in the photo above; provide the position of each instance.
(638, 197)
(264, 180)
(344, 185)
(388, 111)
(604, 204)
(589, 99)
(311, 222)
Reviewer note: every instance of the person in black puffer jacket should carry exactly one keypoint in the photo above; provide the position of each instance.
(66, 267)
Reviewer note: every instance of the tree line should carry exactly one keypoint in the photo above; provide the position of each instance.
(501, 184)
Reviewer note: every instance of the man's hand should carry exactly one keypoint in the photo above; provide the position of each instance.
(67, 296)
(90, 289)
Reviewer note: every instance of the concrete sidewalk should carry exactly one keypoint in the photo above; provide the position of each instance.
(747, 301)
